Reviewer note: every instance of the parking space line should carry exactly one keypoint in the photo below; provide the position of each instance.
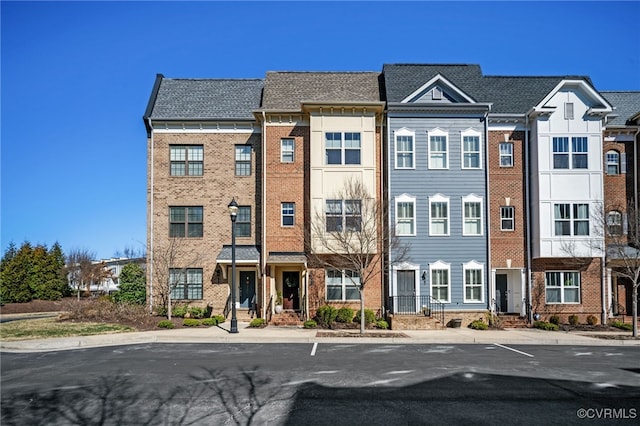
(313, 351)
(514, 350)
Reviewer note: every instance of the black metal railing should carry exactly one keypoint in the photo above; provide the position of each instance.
(269, 311)
(416, 305)
(227, 307)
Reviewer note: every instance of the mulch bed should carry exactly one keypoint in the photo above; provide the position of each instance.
(341, 333)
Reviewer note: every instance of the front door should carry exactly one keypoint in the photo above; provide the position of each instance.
(291, 290)
(501, 293)
(247, 288)
(406, 292)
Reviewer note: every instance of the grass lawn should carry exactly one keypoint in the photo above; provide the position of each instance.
(51, 327)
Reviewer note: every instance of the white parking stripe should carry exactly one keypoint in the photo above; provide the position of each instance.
(313, 351)
(514, 350)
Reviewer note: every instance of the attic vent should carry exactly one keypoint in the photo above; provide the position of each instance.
(436, 94)
(568, 110)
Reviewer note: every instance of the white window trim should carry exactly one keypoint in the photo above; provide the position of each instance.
(439, 198)
(500, 155)
(292, 151)
(437, 132)
(405, 198)
(513, 219)
(471, 132)
(404, 132)
(346, 282)
(440, 265)
(562, 288)
(473, 198)
(283, 215)
(472, 265)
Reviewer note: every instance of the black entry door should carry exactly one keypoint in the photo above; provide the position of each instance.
(406, 292)
(501, 293)
(247, 288)
(291, 290)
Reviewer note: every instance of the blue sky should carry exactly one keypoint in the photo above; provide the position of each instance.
(76, 78)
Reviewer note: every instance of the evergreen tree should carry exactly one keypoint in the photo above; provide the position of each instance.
(15, 274)
(133, 285)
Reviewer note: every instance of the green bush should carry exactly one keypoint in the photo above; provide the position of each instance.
(573, 319)
(161, 311)
(382, 324)
(133, 285)
(592, 320)
(369, 316)
(219, 318)
(478, 325)
(191, 322)
(179, 311)
(196, 312)
(326, 315)
(257, 323)
(310, 324)
(165, 324)
(621, 325)
(554, 319)
(209, 322)
(344, 315)
(543, 325)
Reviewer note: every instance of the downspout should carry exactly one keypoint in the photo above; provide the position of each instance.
(635, 178)
(527, 198)
(150, 248)
(387, 187)
(383, 202)
(488, 275)
(263, 257)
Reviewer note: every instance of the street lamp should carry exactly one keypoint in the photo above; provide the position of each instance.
(233, 212)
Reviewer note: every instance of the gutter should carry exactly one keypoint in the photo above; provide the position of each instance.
(487, 209)
(151, 216)
(263, 260)
(527, 198)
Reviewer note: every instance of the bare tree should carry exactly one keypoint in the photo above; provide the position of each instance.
(82, 270)
(169, 264)
(349, 234)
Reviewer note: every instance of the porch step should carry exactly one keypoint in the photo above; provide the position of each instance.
(414, 322)
(285, 318)
(512, 321)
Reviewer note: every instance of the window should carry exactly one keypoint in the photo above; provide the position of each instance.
(614, 223)
(562, 287)
(406, 216)
(243, 222)
(438, 150)
(186, 160)
(471, 150)
(342, 285)
(472, 211)
(568, 110)
(185, 222)
(579, 152)
(243, 160)
(473, 281)
(287, 150)
(507, 222)
(438, 215)
(506, 154)
(571, 219)
(342, 148)
(186, 284)
(288, 213)
(343, 215)
(404, 149)
(613, 162)
(440, 281)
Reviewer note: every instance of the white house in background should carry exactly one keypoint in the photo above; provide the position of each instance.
(114, 265)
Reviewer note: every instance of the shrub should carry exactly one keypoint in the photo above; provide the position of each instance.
(219, 318)
(592, 320)
(209, 322)
(369, 316)
(133, 285)
(554, 319)
(382, 324)
(622, 326)
(196, 312)
(190, 322)
(310, 324)
(543, 325)
(344, 315)
(103, 309)
(257, 323)
(165, 324)
(179, 311)
(478, 325)
(573, 319)
(326, 315)
(161, 311)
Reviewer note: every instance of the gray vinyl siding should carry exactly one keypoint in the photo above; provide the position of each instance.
(454, 183)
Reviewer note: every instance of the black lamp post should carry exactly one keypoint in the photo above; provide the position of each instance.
(233, 212)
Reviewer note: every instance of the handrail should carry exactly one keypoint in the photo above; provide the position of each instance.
(269, 311)
(227, 307)
(416, 305)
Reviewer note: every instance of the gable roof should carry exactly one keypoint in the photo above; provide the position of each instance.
(286, 91)
(516, 95)
(191, 99)
(626, 107)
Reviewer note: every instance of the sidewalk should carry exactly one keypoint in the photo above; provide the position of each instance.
(272, 334)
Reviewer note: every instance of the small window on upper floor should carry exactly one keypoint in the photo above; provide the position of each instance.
(405, 149)
(243, 160)
(613, 162)
(438, 150)
(186, 160)
(568, 111)
(471, 150)
(436, 94)
(342, 148)
(614, 223)
(287, 150)
(506, 154)
(243, 221)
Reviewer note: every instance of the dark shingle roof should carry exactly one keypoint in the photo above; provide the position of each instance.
(626, 104)
(516, 95)
(286, 90)
(243, 254)
(206, 99)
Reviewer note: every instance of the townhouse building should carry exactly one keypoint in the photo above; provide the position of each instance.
(492, 186)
